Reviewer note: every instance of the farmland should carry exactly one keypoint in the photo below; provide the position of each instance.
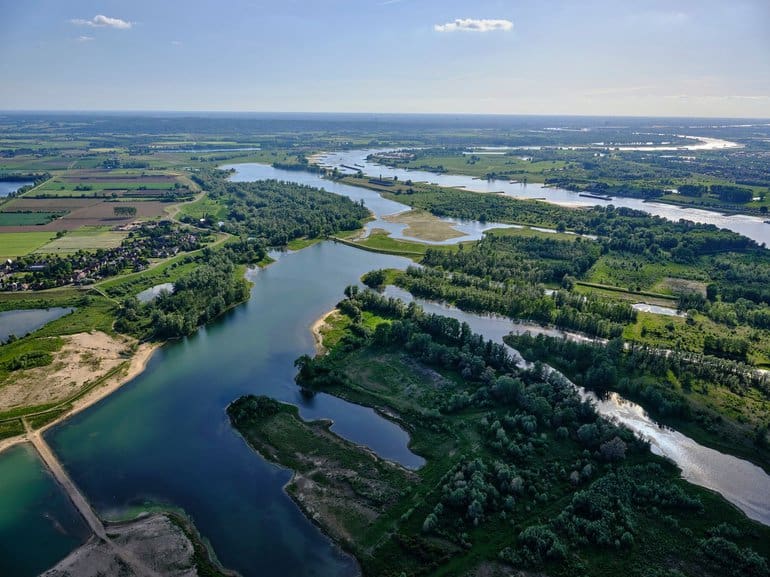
(21, 243)
(80, 212)
(84, 238)
(113, 184)
(21, 219)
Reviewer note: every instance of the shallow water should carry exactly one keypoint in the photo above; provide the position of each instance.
(38, 523)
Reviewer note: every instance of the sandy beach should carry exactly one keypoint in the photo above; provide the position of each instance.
(129, 371)
(316, 329)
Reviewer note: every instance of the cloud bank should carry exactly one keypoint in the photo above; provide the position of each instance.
(102, 21)
(474, 25)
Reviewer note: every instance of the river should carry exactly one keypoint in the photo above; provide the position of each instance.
(378, 205)
(742, 483)
(752, 227)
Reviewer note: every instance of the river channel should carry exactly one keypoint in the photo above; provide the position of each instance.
(749, 226)
(742, 483)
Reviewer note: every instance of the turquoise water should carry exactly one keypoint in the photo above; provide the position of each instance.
(38, 523)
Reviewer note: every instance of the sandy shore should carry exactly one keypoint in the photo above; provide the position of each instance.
(316, 328)
(135, 366)
(315, 158)
(423, 225)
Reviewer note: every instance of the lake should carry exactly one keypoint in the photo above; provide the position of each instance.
(23, 321)
(10, 186)
(164, 438)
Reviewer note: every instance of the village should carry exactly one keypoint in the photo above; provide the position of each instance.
(145, 241)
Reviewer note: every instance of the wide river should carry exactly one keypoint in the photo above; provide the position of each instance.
(164, 439)
(750, 226)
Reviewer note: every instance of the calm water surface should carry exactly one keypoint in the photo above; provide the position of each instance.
(38, 524)
(9, 186)
(21, 322)
(164, 438)
(752, 227)
(151, 293)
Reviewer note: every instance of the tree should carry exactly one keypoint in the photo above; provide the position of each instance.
(124, 211)
(613, 450)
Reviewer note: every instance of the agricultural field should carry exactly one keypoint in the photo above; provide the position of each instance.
(17, 219)
(85, 238)
(113, 184)
(15, 244)
(82, 212)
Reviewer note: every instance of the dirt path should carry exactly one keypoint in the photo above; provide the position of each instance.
(83, 507)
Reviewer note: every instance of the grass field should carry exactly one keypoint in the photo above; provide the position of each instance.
(117, 182)
(643, 275)
(380, 241)
(26, 218)
(530, 232)
(15, 244)
(85, 238)
(202, 208)
(510, 166)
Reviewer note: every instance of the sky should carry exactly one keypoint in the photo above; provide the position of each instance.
(581, 57)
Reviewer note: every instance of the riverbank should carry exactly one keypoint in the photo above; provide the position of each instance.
(317, 330)
(125, 373)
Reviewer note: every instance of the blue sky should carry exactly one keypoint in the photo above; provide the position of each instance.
(636, 57)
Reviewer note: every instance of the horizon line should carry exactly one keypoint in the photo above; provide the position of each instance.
(369, 113)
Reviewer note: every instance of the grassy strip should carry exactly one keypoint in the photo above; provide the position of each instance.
(626, 291)
(383, 246)
(12, 428)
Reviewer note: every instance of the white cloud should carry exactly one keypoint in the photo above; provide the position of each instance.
(84, 39)
(102, 21)
(176, 42)
(474, 25)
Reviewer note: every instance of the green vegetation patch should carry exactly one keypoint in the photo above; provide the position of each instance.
(349, 487)
(26, 218)
(16, 244)
(85, 238)
(27, 353)
(519, 473)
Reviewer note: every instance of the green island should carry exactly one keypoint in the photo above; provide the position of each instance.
(519, 471)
